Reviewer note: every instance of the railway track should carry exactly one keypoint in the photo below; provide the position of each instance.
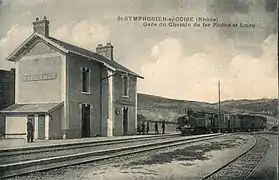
(64, 146)
(42, 164)
(242, 166)
(25, 154)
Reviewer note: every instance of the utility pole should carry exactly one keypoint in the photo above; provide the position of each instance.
(219, 106)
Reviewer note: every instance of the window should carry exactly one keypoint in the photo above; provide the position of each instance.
(125, 85)
(85, 80)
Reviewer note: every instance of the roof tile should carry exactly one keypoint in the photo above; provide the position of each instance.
(31, 108)
(82, 51)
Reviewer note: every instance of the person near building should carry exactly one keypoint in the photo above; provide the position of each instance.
(138, 129)
(147, 127)
(163, 127)
(142, 127)
(156, 128)
(30, 131)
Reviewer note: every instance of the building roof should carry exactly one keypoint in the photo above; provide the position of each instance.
(32, 108)
(81, 51)
(70, 48)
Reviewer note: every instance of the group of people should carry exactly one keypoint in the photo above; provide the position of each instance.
(142, 128)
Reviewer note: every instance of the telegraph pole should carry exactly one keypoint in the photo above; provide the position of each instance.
(219, 106)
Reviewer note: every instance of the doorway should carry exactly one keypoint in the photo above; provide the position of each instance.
(41, 126)
(125, 121)
(85, 120)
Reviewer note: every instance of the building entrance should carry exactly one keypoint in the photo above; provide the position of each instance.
(41, 126)
(85, 120)
(125, 121)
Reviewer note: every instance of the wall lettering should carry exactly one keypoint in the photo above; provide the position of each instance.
(40, 77)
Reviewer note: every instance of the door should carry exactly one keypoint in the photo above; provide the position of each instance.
(41, 127)
(125, 121)
(85, 120)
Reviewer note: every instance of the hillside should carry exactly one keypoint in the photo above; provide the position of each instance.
(159, 108)
(259, 105)
(145, 100)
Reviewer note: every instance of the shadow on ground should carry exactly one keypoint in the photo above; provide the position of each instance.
(191, 153)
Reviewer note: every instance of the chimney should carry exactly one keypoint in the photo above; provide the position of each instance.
(41, 26)
(106, 50)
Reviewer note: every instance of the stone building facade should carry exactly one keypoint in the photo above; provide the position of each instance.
(7, 93)
(69, 91)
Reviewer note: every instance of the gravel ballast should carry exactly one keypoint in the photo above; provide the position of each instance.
(191, 161)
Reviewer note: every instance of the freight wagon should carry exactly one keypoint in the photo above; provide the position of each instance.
(247, 122)
(214, 125)
(253, 123)
(231, 123)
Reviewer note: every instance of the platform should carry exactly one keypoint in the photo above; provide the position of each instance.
(10, 144)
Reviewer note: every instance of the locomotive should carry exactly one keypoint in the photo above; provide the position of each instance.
(204, 123)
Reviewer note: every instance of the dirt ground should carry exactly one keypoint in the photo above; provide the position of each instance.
(191, 161)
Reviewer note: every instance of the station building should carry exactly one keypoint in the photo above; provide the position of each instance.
(68, 91)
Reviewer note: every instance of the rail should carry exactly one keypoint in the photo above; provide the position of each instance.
(25, 167)
(243, 165)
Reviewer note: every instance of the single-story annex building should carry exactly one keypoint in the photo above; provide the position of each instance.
(68, 91)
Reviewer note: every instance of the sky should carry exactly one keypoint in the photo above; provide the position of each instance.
(176, 62)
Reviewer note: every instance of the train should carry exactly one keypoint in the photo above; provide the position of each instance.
(209, 122)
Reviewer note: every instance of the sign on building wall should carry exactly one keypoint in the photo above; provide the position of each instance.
(125, 102)
(40, 77)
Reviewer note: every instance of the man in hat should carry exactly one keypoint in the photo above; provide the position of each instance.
(156, 128)
(163, 127)
(30, 131)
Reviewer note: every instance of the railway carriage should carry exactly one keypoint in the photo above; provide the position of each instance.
(260, 123)
(211, 123)
(232, 123)
(247, 122)
(213, 126)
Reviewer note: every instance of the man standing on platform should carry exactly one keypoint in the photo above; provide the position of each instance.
(30, 131)
(156, 128)
(143, 127)
(138, 129)
(163, 126)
